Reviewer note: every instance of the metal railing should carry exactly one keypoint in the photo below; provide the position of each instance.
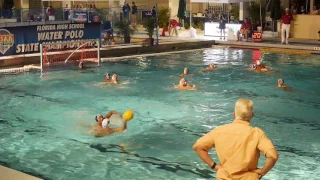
(14, 17)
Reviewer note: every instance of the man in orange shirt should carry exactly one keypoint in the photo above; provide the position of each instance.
(238, 146)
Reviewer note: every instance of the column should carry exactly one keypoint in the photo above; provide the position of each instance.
(311, 5)
(116, 6)
(285, 4)
(173, 8)
(243, 10)
(25, 4)
(69, 3)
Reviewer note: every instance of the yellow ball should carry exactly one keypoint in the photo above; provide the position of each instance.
(128, 115)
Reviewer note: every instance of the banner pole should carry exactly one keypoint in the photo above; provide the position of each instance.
(41, 58)
(157, 30)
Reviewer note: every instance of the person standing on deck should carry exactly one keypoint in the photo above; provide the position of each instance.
(285, 26)
(134, 14)
(238, 146)
(222, 25)
(126, 10)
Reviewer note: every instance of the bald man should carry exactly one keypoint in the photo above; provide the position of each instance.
(238, 146)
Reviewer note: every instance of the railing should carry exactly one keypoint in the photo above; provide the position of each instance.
(41, 15)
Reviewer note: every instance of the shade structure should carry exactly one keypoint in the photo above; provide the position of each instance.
(275, 10)
(182, 9)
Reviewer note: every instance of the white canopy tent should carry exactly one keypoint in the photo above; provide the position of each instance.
(219, 1)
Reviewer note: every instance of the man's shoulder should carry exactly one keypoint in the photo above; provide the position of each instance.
(259, 131)
(223, 127)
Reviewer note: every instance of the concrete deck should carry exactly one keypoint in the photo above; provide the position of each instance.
(312, 46)
(183, 42)
(11, 174)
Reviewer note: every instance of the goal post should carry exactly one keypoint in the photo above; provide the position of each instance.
(71, 52)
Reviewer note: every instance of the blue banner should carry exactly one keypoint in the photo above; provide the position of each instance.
(80, 17)
(145, 14)
(27, 39)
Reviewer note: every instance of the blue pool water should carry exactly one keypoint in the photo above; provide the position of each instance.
(41, 120)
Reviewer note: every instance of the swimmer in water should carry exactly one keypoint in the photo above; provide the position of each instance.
(114, 79)
(211, 67)
(185, 72)
(281, 85)
(101, 127)
(258, 67)
(81, 65)
(107, 77)
(262, 67)
(183, 85)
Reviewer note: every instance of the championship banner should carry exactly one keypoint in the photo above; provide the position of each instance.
(27, 39)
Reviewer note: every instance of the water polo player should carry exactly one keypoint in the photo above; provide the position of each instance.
(114, 78)
(183, 85)
(211, 67)
(185, 72)
(102, 126)
(281, 85)
(81, 65)
(107, 77)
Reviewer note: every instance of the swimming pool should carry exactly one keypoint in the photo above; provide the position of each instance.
(40, 120)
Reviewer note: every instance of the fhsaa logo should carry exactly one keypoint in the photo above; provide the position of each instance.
(6, 40)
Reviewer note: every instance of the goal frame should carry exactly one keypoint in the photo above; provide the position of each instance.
(82, 42)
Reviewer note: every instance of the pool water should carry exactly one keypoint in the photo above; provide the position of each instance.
(44, 122)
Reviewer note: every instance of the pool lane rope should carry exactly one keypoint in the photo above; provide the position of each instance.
(18, 70)
(289, 51)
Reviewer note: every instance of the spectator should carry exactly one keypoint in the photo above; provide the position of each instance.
(153, 11)
(126, 10)
(89, 10)
(94, 9)
(173, 26)
(314, 11)
(285, 26)
(293, 10)
(303, 10)
(66, 13)
(39, 17)
(244, 30)
(134, 14)
(238, 146)
(51, 13)
(108, 37)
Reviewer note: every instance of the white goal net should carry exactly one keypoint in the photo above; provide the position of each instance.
(75, 54)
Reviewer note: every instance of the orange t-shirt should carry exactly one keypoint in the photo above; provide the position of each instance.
(238, 146)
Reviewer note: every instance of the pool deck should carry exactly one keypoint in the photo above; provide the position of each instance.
(11, 174)
(312, 46)
(176, 44)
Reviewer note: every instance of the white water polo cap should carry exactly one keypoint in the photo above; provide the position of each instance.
(105, 123)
